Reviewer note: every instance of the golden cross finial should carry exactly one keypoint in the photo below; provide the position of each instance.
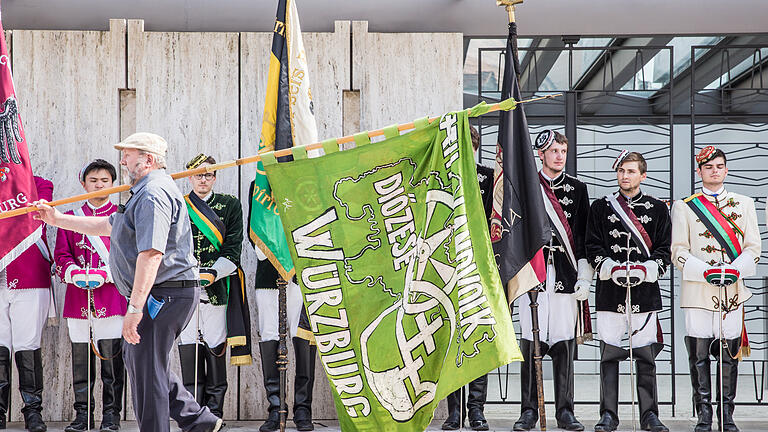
(510, 6)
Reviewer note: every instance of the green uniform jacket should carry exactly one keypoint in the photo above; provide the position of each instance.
(229, 210)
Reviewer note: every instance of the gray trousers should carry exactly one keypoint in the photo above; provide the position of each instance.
(158, 393)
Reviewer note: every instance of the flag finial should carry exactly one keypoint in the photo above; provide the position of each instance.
(509, 5)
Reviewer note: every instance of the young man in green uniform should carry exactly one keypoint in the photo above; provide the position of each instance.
(217, 236)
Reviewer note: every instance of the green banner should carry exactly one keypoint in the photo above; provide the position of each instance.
(392, 252)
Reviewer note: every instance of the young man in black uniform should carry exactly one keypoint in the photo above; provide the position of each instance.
(562, 321)
(628, 238)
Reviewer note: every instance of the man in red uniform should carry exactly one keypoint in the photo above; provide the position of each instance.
(93, 307)
(25, 296)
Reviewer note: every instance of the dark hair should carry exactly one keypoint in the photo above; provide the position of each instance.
(636, 157)
(718, 153)
(99, 164)
(475, 137)
(211, 161)
(560, 138)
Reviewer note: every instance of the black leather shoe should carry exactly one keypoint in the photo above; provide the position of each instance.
(566, 420)
(704, 423)
(79, 424)
(652, 423)
(273, 422)
(109, 423)
(452, 422)
(33, 422)
(527, 421)
(729, 426)
(303, 420)
(608, 422)
(477, 420)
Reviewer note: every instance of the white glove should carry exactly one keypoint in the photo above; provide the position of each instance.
(651, 271)
(745, 264)
(224, 268)
(68, 273)
(605, 268)
(581, 290)
(109, 274)
(584, 271)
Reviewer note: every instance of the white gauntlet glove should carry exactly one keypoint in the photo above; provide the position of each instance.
(651, 271)
(605, 269)
(581, 289)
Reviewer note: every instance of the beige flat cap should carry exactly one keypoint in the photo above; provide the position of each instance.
(144, 141)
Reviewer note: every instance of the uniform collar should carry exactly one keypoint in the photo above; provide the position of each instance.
(205, 198)
(102, 207)
(708, 192)
(555, 180)
(634, 199)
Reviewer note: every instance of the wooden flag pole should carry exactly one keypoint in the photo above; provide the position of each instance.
(509, 5)
(238, 162)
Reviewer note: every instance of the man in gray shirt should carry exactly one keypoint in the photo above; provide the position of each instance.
(152, 263)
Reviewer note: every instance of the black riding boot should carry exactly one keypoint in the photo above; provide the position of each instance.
(30, 367)
(5, 383)
(529, 405)
(271, 384)
(478, 392)
(730, 377)
(647, 395)
(610, 356)
(81, 352)
(455, 401)
(112, 372)
(187, 360)
(215, 378)
(562, 354)
(699, 365)
(305, 382)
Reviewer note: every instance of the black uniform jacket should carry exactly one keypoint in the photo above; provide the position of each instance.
(607, 238)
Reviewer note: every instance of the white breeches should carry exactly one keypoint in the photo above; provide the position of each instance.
(557, 314)
(612, 326)
(103, 328)
(701, 323)
(23, 313)
(266, 303)
(213, 326)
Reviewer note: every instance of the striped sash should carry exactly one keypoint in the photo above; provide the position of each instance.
(722, 228)
(206, 220)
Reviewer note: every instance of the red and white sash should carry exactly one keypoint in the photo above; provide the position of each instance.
(558, 220)
(631, 223)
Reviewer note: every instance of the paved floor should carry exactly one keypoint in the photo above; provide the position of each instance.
(502, 416)
(676, 425)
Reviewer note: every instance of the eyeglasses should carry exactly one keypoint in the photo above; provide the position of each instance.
(207, 176)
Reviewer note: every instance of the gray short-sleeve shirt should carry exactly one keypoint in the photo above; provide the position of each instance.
(155, 217)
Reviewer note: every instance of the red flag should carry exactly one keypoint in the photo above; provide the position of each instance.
(17, 185)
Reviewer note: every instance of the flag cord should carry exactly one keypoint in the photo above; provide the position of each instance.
(478, 110)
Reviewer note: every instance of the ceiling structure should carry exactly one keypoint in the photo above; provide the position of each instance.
(471, 17)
